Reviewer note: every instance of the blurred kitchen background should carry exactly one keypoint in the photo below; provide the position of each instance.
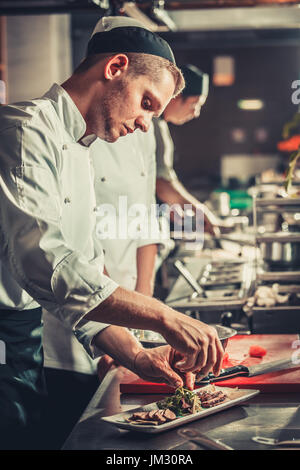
(234, 157)
(250, 53)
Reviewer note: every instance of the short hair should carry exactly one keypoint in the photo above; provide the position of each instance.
(140, 64)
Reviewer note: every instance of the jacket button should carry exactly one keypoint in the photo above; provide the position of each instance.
(103, 179)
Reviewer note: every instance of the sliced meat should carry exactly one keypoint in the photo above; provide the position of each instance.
(158, 416)
(210, 395)
(140, 415)
(151, 414)
(213, 401)
(142, 421)
(169, 415)
(184, 405)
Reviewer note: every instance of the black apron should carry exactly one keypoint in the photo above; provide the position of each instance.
(22, 385)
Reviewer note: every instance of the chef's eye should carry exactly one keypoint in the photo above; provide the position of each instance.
(146, 103)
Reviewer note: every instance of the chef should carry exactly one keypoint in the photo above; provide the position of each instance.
(49, 255)
(185, 107)
(124, 179)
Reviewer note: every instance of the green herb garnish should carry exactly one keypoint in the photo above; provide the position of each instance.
(182, 402)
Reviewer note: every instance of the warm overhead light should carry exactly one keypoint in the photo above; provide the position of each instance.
(223, 71)
(250, 105)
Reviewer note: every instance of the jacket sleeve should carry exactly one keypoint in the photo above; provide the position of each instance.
(66, 282)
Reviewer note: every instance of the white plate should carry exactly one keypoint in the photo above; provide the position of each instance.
(235, 396)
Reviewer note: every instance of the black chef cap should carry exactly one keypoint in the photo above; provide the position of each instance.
(115, 34)
(196, 82)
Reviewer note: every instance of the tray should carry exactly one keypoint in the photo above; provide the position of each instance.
(235, 396)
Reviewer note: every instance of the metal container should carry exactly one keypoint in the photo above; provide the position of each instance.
(280, 249)
(156, 340)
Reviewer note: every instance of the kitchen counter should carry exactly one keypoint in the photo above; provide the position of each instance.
(267, 414)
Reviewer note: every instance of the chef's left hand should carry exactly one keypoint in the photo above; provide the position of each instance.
(210, 227)
(157, 365)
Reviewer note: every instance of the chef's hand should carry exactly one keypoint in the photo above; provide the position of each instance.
(158, 365)
(198, 343)
(211, 225)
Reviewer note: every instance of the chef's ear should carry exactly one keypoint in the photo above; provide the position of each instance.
(115, 66)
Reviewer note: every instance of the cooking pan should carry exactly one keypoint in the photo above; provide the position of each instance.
(153, 340)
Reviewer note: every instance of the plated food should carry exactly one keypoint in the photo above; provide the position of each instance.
(182, 407)
(182, 403)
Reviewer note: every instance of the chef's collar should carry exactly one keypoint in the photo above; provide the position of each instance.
(67, 111)
(88, 140)
(116, 34)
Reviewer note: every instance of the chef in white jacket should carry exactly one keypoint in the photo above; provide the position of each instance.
(124, 177)
(49, 254)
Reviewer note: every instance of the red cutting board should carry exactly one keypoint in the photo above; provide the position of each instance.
(277, 346)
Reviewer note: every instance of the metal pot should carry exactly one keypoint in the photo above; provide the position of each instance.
(156, 340)
(280, 249)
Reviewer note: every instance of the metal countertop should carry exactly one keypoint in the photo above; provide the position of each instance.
(268, 415)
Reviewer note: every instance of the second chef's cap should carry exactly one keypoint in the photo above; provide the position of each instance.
(196, 82)
(116, 34)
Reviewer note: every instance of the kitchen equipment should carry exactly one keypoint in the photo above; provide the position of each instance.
(204, 441)
(276, 442)
(199, 291)
(250, 371)
(283, 316)
(235, 397)
(220, 202)
(280, 249)
(227, 284)
(153, 340)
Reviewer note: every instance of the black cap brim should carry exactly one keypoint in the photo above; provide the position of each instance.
(130, 39)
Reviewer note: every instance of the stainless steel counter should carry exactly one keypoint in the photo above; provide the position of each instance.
(268, 415)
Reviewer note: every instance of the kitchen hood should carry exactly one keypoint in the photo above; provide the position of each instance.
(171, 15)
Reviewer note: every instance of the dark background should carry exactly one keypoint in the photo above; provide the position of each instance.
(266, 64)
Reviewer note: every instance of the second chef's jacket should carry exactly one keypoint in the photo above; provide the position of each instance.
(125, 168)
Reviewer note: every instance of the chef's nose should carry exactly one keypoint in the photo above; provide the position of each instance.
(143, 123)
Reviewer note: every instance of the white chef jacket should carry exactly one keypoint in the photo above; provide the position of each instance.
(49, 254)
(129, 170)
(125, 168)
(164, 150)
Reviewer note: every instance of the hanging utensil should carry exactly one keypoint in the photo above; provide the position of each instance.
(190, 279)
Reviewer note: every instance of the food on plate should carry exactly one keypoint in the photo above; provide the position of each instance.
(152, 417)
(182, 403)
(210, 399)
(257, 351)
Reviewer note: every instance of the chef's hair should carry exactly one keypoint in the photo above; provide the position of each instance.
(140, 64)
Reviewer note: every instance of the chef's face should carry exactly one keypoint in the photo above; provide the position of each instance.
(183, 109)
(130, 103)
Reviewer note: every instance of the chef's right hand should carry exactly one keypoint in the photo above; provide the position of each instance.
(196, 341)
(157, 365)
